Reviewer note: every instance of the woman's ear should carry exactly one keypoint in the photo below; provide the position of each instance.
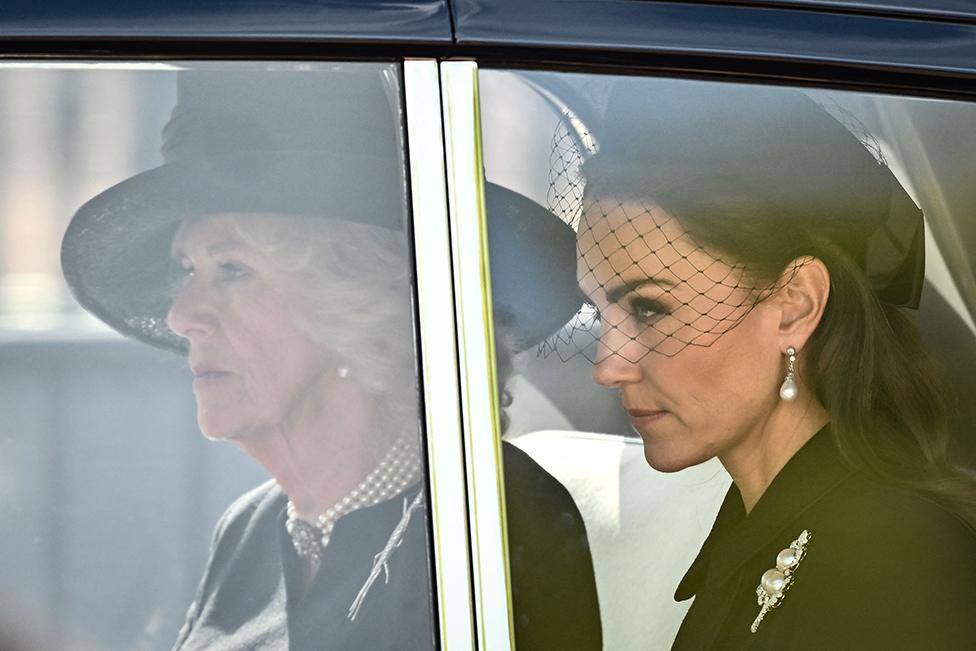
(801, 300)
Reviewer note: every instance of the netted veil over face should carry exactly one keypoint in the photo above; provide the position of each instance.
(693, 202)
(652, 286)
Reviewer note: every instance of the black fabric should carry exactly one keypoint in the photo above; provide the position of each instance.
(250, 596)
(554, 599)
(884, 567)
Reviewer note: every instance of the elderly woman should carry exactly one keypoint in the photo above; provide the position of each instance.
(746, 256)
(270, 249)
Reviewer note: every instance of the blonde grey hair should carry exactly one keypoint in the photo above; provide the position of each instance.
(352, 294)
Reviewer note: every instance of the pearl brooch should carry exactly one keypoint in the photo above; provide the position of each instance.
(776, 581)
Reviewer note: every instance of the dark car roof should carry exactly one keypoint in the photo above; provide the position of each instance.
(401, 20)
(360, 20)
(877, 37)
(911, 37)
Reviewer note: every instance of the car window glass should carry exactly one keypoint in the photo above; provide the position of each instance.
(540, 130)
(245, 227)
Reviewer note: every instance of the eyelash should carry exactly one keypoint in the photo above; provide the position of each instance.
(652, 310)
(226, 271)
(646, 310)
(229, 271)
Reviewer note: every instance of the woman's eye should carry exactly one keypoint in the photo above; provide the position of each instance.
(645, 310)
(232, 271)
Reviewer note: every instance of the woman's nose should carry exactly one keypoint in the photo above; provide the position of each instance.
(614, 366)
(193, 312)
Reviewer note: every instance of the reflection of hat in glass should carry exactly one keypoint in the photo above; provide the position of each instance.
(323, 142)
(779, 150)
(533, 267)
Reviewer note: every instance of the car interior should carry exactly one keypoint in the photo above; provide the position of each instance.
(109, 489)
(645, 527)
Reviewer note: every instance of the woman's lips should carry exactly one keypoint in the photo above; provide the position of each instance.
(644, 417)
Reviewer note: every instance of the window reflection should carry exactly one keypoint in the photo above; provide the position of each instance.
(267, 246)
(628, 165)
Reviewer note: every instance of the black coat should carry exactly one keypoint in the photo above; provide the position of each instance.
(884, 568)
(554, 602)
(250, 596)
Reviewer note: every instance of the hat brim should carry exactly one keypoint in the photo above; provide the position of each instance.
(115, 252)
(532, 254)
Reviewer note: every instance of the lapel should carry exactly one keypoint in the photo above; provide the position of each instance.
(735, 537)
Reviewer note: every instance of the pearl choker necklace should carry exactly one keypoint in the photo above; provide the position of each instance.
(399, 468)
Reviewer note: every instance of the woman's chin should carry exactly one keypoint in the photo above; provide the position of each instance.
(665, 460)
(219, 429)
(213, 433)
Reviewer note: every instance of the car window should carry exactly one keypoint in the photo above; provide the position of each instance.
(247, 458)
(544, 134)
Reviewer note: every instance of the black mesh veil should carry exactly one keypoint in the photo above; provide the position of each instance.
(651, 287)
(673, 158)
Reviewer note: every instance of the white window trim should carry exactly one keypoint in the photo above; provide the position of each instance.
(478, 381)
(439, 362)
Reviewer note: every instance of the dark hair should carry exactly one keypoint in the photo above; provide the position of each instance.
(866, 361)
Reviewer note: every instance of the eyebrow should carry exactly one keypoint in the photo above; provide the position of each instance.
(619, 291)
(222, 246)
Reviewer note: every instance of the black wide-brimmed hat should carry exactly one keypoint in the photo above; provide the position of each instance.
(532, 254)
(323, 143)
(691, 143)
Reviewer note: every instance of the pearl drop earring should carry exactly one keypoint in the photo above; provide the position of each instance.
(343, 372)
(789, 390)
